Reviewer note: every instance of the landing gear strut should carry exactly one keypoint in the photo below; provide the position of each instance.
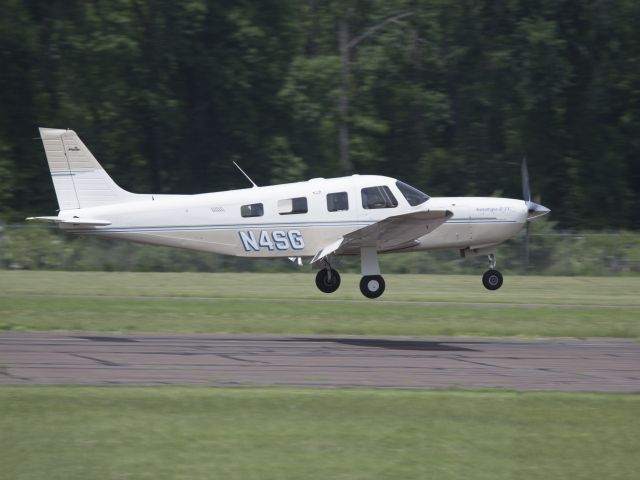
(492, 278)
(372, 284)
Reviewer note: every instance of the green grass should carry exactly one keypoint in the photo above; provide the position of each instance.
(179, 433)
(261, 433)
(419, 305)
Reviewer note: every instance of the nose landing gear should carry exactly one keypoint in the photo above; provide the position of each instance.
(492, 278)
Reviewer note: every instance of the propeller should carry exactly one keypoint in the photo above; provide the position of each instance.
(534, 210)
(526, 190)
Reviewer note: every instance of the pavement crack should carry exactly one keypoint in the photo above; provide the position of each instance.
(97, 360)
(4, 371)
(231, 357)
(492, 365)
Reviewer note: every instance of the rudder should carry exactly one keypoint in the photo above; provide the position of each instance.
(78, 179)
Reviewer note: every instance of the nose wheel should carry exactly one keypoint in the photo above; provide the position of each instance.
(492, 278)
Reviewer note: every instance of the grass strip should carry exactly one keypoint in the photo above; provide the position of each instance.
(290, 304)
(282, 317)
(257, 433)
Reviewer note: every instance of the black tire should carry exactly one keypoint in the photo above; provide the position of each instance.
(325, 284)
(372, 286)
(492, 279)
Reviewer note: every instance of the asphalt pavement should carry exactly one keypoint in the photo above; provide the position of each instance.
(319, 361)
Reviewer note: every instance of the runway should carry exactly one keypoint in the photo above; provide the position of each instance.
(318, 361)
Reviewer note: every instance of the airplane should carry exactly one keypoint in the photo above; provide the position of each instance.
(318, 219)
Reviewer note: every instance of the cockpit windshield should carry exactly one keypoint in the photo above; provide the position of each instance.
(413, 195)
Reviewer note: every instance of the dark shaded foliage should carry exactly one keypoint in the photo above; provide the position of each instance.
(450, 97)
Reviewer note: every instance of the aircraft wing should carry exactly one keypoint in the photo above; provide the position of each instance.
(399, 231)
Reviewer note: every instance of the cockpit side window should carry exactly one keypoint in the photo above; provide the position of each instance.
(413, 195)
(337, 202)
(253, 210)
(290, 206)
(378, 197)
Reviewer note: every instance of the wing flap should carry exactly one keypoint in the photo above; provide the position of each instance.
(397, 231)
(392, 233)
(328, 250)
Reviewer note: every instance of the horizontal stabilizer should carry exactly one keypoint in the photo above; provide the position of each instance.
(85, 222)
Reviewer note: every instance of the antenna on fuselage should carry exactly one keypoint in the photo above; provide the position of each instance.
(248, 178)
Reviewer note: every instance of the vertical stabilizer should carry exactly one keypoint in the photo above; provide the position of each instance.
(78, 178)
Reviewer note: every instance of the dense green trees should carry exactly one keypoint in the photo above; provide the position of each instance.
(447, 95)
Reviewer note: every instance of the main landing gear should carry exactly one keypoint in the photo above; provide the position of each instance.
(371, 285)
(492, 278)
(328, 280)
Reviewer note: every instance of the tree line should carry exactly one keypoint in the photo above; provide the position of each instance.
(448, 96)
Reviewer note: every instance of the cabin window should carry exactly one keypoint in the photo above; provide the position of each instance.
(253, 210)
(413, 195)
(378, 197)
(290, 206)
(337, 202)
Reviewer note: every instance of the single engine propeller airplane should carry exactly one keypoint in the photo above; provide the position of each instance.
(321, 218)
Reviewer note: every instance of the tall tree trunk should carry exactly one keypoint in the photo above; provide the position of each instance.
(343, 97)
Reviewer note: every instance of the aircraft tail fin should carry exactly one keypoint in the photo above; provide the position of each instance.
(78, 178)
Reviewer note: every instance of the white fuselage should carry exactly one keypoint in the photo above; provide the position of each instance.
(214, 222)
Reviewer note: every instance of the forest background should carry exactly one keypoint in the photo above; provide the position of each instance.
(446, 95)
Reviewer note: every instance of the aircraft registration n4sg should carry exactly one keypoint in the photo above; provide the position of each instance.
(318, 219)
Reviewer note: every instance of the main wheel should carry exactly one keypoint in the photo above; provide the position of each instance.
(327, 281)
(492, 279)
(372, 286)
